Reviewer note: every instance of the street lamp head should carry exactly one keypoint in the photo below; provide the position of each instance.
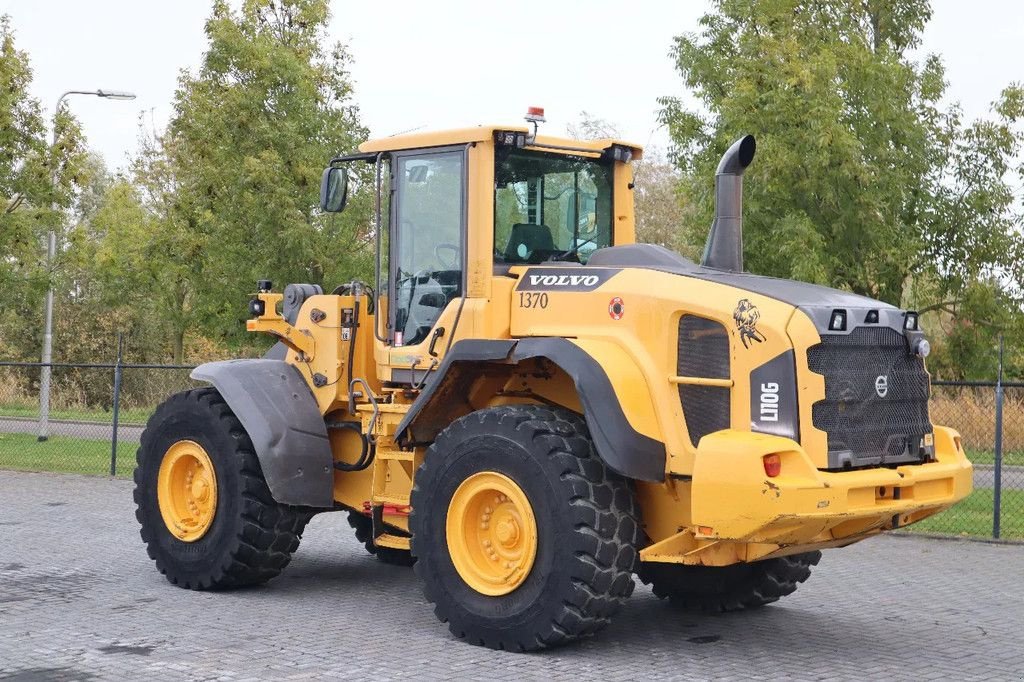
(115, 94)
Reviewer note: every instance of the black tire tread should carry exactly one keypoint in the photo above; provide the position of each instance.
(270, 533)
(738, 587)
(363, 527)
(606, 518)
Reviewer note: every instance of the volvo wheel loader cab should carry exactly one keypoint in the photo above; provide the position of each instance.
(533, 408)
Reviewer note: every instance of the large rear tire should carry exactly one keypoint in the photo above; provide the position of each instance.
(524, 539)
(728, 588)
(206, 514)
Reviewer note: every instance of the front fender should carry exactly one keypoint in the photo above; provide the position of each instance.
(281, 416)
(624, 449)
(621, 447)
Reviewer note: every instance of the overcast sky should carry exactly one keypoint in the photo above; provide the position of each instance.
(448, 63)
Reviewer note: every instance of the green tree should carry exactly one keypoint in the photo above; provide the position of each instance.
(28, 196)
(111, 277)
(22, 190)
(251, 132)
(863, 180)
(128, 266)
(970, 334)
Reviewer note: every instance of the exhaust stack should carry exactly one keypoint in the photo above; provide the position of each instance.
(724, 248)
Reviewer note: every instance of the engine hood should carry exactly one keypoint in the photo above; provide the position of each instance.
(816, 301)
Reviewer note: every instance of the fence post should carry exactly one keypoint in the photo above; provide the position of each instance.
(997, 484)
(117, 405)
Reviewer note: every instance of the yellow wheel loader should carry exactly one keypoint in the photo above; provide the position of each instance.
(533, 409)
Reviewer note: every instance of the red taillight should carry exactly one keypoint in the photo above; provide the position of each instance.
(772, 465)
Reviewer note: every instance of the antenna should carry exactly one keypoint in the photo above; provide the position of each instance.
(410, 130)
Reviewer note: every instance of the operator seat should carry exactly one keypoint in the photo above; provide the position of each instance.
(528, 241)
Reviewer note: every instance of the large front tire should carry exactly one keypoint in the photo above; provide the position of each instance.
(728, 588)
(524, 539)
(206, 514)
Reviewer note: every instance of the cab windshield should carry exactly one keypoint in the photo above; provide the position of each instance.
(550, 206)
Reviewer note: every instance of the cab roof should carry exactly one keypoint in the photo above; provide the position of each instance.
(441, 138)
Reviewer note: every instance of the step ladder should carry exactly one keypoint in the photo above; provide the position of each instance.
(393, 470)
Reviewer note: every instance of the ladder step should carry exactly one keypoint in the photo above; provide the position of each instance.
(399, 455)
(393, 541)
(391, 499)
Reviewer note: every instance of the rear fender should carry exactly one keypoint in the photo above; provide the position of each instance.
(281, 416)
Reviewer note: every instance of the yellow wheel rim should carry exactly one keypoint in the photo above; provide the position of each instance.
(186, 490)
(492, 533)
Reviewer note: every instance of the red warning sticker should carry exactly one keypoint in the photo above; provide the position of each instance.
(616, 308)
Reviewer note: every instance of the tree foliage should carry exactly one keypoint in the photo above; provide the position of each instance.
(39, 184)
(864, 180)
(22, 187)
(227, 194)
(251, 132)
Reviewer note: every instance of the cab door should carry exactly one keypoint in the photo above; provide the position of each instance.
(426, 264)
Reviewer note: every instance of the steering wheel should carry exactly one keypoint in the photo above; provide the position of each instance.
(445, 263)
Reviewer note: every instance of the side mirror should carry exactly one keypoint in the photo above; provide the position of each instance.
(334, 190)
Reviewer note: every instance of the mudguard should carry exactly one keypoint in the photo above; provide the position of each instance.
(281, 416)
(622, 448)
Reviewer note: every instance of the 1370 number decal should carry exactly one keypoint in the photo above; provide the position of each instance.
(532, 299)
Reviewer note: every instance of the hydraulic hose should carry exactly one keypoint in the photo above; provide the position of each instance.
(368, 449)
(352, 347)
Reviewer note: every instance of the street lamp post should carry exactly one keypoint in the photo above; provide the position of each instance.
(51, 254)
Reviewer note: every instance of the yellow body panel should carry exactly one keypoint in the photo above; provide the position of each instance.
(631, 349)
(483, 134)
(809, 387)
(731, 511)
(716, 505)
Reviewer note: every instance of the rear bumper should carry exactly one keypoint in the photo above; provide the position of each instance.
(740, 514)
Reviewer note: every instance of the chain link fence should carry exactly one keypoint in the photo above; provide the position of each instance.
(990, 419)
(97, 414)
(98, 411)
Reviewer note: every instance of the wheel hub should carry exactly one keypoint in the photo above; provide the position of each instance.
(187, 490)
(507, 531)
(492, 533)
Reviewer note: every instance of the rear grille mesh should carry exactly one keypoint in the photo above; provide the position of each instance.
(876, 397)
(703, 351)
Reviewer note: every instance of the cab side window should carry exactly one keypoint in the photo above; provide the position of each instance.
(426, 241)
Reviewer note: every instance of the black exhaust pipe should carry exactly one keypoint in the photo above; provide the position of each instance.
(724, 248)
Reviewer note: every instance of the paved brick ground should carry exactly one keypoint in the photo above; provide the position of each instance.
(79, 599)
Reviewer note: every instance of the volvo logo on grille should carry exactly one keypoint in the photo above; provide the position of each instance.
(882, 385)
